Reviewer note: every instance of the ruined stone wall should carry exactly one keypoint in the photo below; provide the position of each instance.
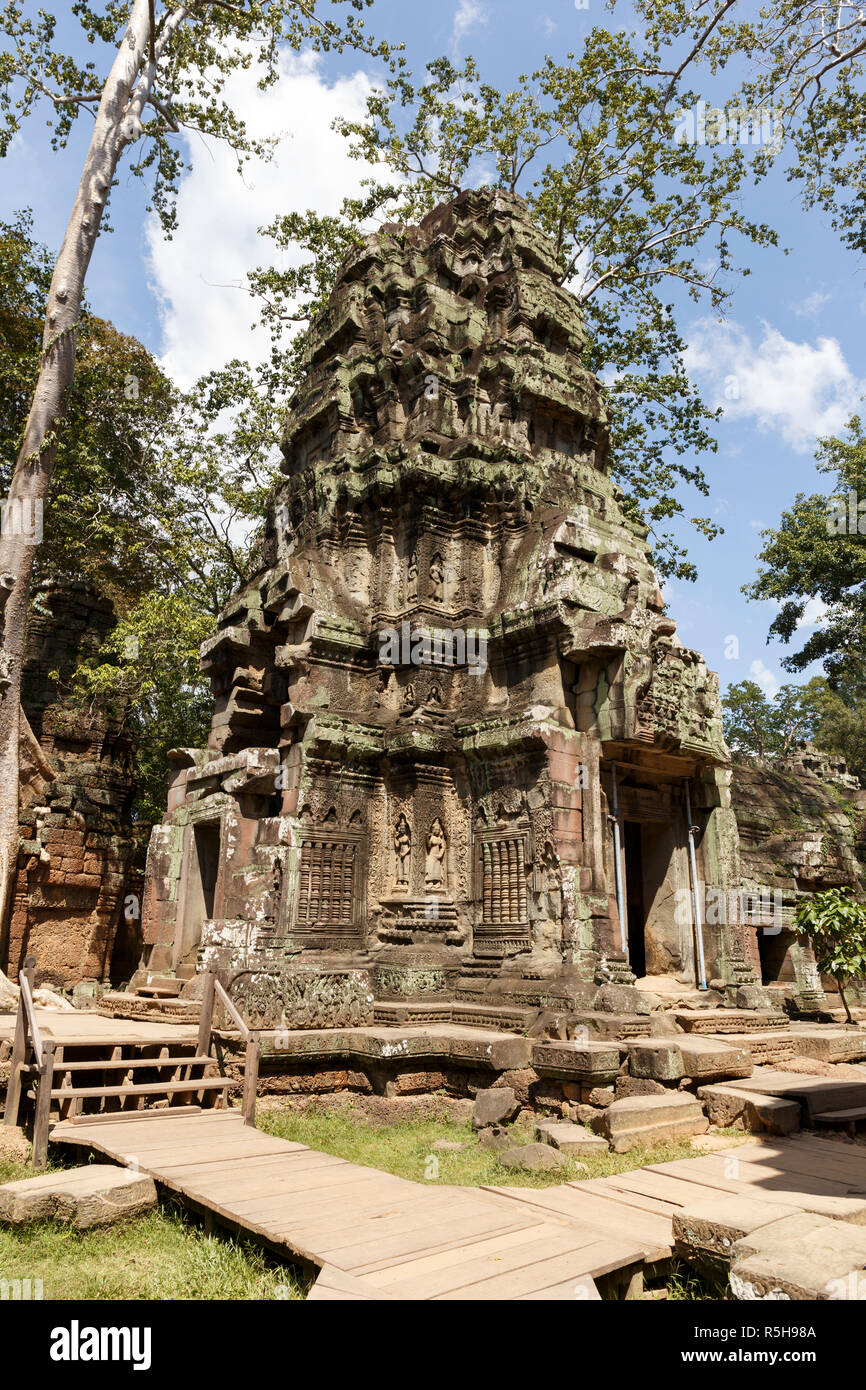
(75, 865)
(802, 829)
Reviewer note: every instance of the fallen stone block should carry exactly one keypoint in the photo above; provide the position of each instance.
(650, 1120)
(533, 1158)
(494, 1106)
(828, 1044)
(815, 1093)
(655, 1060)
(772, 1048)
(807, 1233)
(710, 1229)
(723, 1021)
(592, 1063)
(708, 1059)
(93, 1196)
(731, 1108)
(570, 1138)
(785, 1275)
(801, 1256)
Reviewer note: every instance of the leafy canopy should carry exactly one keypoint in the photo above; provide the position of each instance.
(634, 215)
(818, 550)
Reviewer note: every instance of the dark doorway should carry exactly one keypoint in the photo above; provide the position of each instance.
(207, 849)
(634, 897)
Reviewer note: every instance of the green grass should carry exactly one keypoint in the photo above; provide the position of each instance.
(160, 1255)
(406, 1149)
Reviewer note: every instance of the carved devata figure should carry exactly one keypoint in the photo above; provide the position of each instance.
(437, 578)
(403, 849)
(434, 869)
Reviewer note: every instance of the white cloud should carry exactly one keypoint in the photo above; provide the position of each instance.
(813, 614)
(799, 391)
(811, 305)
(550, 25)
(765, 679)
(206, 315)
(470, 14)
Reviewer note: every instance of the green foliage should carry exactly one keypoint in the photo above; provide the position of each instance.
(835, 924)
(768, 728)
(156, 499)
(147, 674)
(816, 552)
(631, 211)
(197, 49)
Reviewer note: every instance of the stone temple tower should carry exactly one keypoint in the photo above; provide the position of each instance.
(455, 732)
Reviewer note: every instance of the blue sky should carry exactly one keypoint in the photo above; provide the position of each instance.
(788, 363)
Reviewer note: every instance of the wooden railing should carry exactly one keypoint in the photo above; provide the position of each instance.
(29, 1039)
(213, 993)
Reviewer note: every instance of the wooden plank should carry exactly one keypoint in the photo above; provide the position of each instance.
(19, 1054)
(453, 1270)
(185, 1160)
(581, 1290)
(608, 1217)
(387, 1255)
(782, 1189)
(153, 1088)
(205, 1018)
(491, 1248)
(334, 1284)
(122, 1116)
(252, 1057)
(44, 1093)
(136, 1063)
(602, 1257)
(752, 1175)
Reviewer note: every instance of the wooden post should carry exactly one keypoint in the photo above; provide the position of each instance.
(251, 1078)
(19, 1053)
(206, 1016)
(43, 1105)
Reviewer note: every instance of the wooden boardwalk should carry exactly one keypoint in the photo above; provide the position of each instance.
(80, 1028)
(371, 1235)
(805, 1171)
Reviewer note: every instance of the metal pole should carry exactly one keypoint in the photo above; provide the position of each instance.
(699, 930)
(617, 865)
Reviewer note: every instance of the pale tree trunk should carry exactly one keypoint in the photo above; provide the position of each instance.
(117, 123)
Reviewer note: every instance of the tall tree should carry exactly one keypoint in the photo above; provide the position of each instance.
(155, 502)
(818, 551)
(633, 213)
(166, 70)
(802, 61)
(765, 727)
